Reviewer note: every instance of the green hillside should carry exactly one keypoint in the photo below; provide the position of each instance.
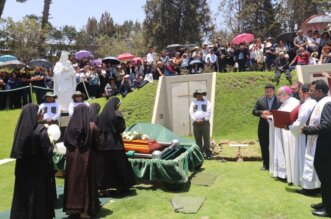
(236, 95)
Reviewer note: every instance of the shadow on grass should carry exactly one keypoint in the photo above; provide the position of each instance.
(103, 213)
(303, 192)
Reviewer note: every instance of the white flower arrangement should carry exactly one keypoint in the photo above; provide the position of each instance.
(134, 136)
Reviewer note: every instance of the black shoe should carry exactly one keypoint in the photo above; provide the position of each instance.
(317, 206)
(308, 192)
(321, 213)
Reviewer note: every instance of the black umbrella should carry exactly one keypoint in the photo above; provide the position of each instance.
(112, 60)
(40, 62)
(286, 37)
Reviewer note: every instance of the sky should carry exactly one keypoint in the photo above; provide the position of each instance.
(76, 12)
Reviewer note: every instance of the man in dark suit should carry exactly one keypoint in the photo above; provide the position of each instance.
(320, 126)
(262, 109)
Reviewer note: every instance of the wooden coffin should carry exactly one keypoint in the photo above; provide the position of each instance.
(141, 146)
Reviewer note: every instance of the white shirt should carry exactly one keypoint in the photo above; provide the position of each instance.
(73, 105)
(52, 111)
(200, 110)
(212, 58)
(150, 58)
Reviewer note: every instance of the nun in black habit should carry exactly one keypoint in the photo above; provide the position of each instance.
(113, 167)
(80, 191)
(94, 109)
(34, 191)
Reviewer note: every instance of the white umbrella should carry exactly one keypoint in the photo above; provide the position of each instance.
(320, 19)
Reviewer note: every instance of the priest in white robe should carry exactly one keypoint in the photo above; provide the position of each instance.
(318, 145)
(284, 140)
(64, 81)
(306, 108)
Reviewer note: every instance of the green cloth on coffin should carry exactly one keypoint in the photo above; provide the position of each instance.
(172, 171)
(187, 204)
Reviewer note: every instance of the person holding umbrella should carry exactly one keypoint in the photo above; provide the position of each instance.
(241, 56)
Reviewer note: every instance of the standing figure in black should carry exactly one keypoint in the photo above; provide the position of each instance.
(262, 109)
(34, 191)
(113, 167)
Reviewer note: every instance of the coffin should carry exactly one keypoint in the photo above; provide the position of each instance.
(141, 146)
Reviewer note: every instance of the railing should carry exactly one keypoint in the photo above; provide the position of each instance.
(33, 88)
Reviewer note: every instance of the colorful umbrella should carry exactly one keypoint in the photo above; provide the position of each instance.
(243, 38)
(14, 64)
(125, 56)
(135, 60)
(110, 59)
(82, 54)
(6, 58)
(40, 62)
(315, 22)
(96, 62)
(320, 19)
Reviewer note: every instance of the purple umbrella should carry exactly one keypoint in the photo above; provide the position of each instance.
(81, 54)
(96, 62)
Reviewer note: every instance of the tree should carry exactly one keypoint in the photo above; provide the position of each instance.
(176, 21)
(23, 37)
(57, 35)
(257, 17)
(92, 30)
(106, 24)
(70, 33)
(292, 13)
(2, 6)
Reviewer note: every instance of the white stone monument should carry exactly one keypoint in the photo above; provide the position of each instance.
(64, 81)
(174, 96)
(309, 73)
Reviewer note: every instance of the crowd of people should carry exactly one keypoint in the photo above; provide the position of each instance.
(298, 152)
(110, 79)
(96, 162)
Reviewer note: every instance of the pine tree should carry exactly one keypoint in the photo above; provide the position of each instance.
(176, 21)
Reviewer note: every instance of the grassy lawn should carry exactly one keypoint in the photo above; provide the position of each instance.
(241, 190)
